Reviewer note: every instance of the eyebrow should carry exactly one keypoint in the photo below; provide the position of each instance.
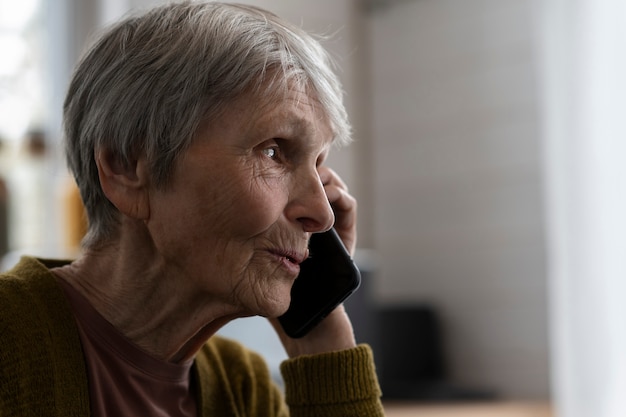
(297, 123)
(278, 113)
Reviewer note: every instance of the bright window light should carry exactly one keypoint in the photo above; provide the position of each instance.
(15, 15)
(21, 68)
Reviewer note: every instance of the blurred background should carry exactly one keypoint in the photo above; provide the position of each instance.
(487, 163)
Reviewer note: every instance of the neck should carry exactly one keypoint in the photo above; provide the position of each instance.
(149, 304)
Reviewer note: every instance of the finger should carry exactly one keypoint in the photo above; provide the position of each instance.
(336, 190)
(345, 209)
(330, 177)
(331, 334)
(344, 206)
(341, 201)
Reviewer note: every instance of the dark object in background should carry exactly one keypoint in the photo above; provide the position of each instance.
(360, 306)
(411, 356)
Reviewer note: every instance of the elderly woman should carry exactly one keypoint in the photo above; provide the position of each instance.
(197, 134)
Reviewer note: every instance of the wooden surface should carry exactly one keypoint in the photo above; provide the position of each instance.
(468, 410)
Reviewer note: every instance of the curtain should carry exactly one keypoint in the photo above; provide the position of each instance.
(583, 45)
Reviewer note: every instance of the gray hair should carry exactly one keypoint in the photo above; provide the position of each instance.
(150, 80)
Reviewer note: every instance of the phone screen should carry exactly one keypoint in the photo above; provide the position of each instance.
(326, 279)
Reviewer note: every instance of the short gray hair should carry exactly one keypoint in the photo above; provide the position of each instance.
(151, 79)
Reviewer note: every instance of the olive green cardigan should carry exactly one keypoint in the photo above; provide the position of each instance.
(42, 370)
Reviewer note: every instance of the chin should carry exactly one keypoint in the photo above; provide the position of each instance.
(276, 310)
(277, 307)
(271, 302)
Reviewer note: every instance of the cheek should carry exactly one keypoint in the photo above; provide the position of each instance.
(256, 207)
(223, 206)
(241, 204)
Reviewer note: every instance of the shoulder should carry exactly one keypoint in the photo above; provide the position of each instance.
(22, 288)
(39, 343)
(29, 294)
(28, 275)
(34, 309)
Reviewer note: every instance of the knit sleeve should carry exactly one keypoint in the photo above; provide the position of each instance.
(335, 384)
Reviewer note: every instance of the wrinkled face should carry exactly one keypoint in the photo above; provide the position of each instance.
(234, 223)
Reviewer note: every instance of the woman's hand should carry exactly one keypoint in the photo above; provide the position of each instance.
(335, 331)
(344, 206)
(331, 334)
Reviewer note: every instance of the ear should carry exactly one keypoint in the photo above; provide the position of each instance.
(126, 186)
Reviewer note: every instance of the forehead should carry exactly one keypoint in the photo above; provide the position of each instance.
(294, 109)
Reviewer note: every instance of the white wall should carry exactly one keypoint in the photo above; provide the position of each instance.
(458, 215)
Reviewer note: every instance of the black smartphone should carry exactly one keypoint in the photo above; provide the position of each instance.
(326, 279)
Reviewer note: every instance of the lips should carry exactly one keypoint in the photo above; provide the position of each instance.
(289, 260)
(293, 257)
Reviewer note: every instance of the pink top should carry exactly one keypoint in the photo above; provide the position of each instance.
(123, 379)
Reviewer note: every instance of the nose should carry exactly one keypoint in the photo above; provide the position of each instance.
(308, 204)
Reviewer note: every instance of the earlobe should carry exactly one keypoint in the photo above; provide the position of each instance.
(125, 185)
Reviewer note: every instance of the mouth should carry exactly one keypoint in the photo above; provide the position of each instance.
(290, 256)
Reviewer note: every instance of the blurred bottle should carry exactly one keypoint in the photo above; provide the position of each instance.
(75, 219)
(4, 218)
(29, 187)
(4, 208)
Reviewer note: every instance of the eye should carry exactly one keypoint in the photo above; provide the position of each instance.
(271, 152)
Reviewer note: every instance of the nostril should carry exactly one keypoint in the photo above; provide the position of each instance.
(316, 225)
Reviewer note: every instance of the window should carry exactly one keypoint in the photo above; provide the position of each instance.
(21, 70)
